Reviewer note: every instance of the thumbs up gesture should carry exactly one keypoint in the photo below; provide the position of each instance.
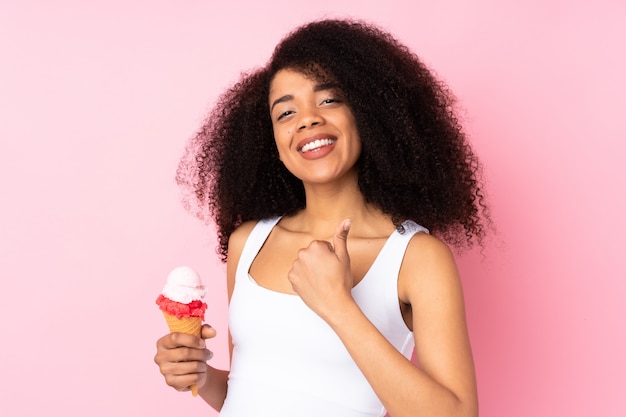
(321, 274)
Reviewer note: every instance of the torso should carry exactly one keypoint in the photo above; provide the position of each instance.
(271, 265)
(271, 332)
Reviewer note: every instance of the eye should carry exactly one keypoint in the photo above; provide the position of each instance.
(284, 114)
(330, 100)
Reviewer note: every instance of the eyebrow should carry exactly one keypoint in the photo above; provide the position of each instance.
(316, 88)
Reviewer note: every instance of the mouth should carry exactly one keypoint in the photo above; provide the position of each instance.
(315, 145)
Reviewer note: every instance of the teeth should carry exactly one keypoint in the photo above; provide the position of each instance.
(316, 144)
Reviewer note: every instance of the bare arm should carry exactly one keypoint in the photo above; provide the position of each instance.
(182, 358)
(444, 382)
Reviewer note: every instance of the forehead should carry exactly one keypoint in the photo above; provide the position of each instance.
(286, 79)
(289, 81)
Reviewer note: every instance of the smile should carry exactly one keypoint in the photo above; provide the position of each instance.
(316, 144)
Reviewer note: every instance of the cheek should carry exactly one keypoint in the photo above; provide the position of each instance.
(278, 146)
(282, 136)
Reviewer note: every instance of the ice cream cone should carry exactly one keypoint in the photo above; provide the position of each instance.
(181, 304)
(187, 325)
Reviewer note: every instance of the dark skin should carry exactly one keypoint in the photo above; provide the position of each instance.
(182, 358)
(321, 252)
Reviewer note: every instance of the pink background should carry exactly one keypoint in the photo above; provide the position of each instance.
(97, 100)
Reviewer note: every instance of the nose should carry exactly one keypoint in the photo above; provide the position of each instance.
(310, 118)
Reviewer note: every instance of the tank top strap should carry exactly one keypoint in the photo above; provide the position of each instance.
(409, 227)
(395, 248)
(253, 245)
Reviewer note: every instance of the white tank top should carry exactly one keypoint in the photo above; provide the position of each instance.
(287, 362)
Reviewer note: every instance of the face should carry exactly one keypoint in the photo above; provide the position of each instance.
(315, 130)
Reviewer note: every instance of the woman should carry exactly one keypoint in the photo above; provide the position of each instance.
(317, 170)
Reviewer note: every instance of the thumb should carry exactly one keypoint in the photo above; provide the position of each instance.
(340, 240)
(207, 332)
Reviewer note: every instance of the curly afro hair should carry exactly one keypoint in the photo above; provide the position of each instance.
(416, 162)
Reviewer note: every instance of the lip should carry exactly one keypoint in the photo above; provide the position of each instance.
(313, 138)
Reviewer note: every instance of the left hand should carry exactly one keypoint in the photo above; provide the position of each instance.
(321, 274)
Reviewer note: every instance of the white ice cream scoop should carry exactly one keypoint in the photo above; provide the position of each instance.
(184, 285)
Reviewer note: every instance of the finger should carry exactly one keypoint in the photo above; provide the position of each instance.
(340, 240)
(315, 247)
(185, 354)
(182, 378)
(207, 332)
(175, 340)
(183, 367)
(170, 357)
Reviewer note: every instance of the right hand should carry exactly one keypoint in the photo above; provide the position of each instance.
(182, 358)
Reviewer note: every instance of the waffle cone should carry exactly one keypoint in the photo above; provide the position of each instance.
(187, 325)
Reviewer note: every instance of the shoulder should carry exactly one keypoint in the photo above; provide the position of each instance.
(236, 242)
(428, 270)
(425, 250)
(238, 237)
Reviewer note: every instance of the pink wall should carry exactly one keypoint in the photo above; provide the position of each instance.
(98, 98)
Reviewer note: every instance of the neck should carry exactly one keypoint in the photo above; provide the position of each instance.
(328, 204)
